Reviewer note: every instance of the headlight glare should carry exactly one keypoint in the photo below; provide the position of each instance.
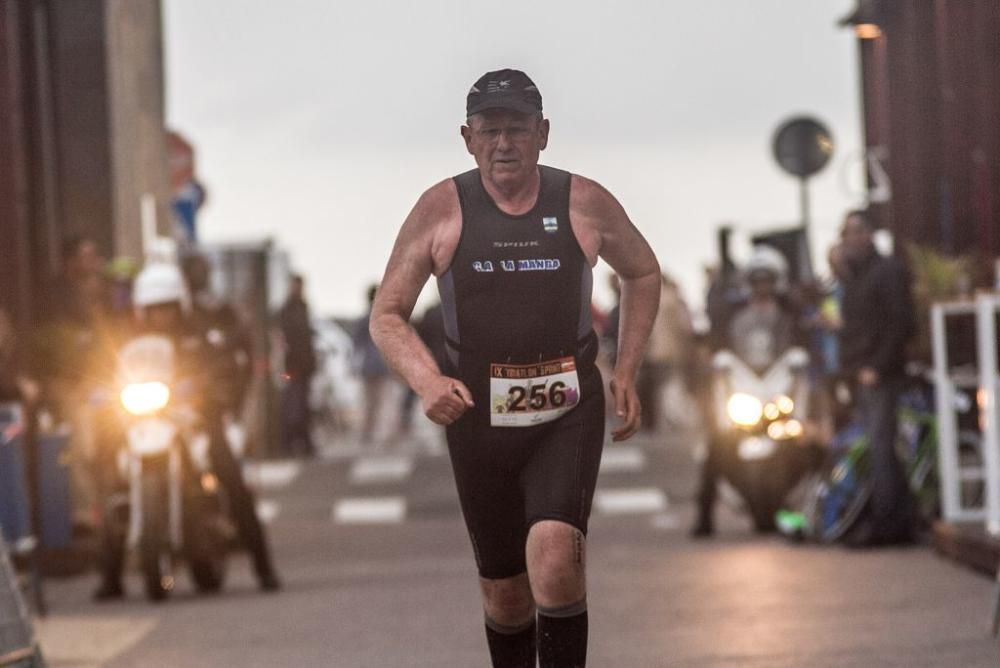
(744, 410)
(785, 404)
(145, 398)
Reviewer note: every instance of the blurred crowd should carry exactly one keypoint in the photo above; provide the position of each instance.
(854, 323)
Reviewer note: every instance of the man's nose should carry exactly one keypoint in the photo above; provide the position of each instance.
(503, 141)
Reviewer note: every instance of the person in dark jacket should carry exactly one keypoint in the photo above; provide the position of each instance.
(300, 365)
(878, 322)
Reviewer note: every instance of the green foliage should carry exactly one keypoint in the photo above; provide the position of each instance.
(936, 277)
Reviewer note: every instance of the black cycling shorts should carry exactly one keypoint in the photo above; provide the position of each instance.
(508, 478)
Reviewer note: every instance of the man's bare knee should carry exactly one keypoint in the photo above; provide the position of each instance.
(508, 601)
(556, 555)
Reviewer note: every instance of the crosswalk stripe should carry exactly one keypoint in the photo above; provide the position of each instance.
(630, 501)
(272, 475)
(373, 510)
(370, 470)
(268, 510)
(622, 459)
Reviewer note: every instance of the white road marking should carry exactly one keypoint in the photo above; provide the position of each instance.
(89, 640)
(272, 475)
(267, 510)
(370, 470)
(623, 459)
(374, 510)
(630, 501)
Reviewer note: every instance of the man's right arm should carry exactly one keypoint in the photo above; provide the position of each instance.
(413, 260)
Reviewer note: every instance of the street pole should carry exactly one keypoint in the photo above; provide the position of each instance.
(804, 201)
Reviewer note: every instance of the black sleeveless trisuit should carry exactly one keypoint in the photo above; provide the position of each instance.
(518, 292)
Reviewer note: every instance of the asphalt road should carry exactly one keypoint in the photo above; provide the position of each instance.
(378, 572)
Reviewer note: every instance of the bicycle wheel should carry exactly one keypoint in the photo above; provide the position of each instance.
(842, 496)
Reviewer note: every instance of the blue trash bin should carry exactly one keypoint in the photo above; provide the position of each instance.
(14, 519)
(56, 513)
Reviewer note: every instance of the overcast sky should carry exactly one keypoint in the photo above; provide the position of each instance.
(319, 123)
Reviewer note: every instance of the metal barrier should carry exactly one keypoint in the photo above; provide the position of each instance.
(985, 382)
(951, 382)
(987, 309)
(18, 646)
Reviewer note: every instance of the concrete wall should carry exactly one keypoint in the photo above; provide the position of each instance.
(138, 133)
(82, 120)
(932, 99)
(13, 167)
(82, 134)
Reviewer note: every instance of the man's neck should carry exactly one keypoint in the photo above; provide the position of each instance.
(515, 197)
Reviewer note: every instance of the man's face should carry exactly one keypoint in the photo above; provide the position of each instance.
(762, 285)
(856, 238)
(838, 261)
(506, 143)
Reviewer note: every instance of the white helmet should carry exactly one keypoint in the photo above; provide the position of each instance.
(160, 283)
(770, 260)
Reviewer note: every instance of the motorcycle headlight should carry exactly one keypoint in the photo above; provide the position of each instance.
(744, 410)
(145, 398)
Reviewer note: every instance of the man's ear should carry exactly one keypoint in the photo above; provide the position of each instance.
(543, 130)
(466, 133)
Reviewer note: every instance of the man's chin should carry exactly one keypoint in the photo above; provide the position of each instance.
(507, 172)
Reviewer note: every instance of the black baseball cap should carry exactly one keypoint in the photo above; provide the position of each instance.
(504, 89)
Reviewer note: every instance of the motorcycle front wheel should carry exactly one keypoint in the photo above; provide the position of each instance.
(154, 550)
(205, 545)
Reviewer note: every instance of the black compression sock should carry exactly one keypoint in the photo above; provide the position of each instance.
(562, 636)
(511, 647)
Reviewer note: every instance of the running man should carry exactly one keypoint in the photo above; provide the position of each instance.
(512, 244)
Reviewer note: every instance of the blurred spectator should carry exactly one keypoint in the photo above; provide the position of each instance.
(668, 348)
(609, 337)
(73, 357)
(372, 369)
(724, 297)
(224, 331)
(430, 329)
(14, 384)
(878, 322)
(300, 365)
(822, 317)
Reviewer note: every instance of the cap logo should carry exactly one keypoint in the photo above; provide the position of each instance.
(497, 86)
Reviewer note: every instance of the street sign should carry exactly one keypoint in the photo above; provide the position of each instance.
(180, 157)
(802, 146)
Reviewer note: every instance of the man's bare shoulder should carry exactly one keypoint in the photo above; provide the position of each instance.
(588, 194)
(438, 214)
(594, 213)
(438, 204)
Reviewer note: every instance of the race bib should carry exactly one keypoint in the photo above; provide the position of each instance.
(523, 395)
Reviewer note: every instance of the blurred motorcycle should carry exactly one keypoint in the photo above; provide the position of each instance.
(175, 509)
(761, 422)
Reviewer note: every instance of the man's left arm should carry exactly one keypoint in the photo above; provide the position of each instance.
(625, 249)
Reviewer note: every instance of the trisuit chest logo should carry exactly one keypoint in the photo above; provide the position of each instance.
(550, 224)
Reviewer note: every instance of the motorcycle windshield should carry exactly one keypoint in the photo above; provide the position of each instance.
(147, 359)
(759, 334)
